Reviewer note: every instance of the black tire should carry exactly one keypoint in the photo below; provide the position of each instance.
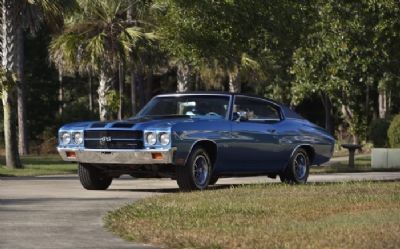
(284, 178)
(92, 178)
(196, 174)
(298, 169)
(213, 180)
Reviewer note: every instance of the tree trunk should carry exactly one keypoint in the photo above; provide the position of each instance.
(60, 93)
(348, 116)
(121, 81)
(197, 82)
(139, 78)
(105, 83)
(133, 93)
(23, 145)
(356, 139)
(149, 86)
(10, 130)
(367, 109)
(9, 65)
(183, 78)
(328, 113)
(234, 81)
(382, 104)
(90, 92)
(129, 14)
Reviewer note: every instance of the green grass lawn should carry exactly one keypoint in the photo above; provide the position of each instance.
(341, 215)
(361, 164)
(37, 165)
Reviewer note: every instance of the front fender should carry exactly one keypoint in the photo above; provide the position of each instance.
(186, 136)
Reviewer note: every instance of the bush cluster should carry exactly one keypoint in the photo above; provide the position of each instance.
(378, 132)
(394, 132)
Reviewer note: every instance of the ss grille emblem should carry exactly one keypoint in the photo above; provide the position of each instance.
(104, 140)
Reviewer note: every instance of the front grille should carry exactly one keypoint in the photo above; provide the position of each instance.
(114, 134)
(113, 139)
(97, 144)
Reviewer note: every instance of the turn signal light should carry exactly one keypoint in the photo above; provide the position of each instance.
(70, 154)
(157, 156)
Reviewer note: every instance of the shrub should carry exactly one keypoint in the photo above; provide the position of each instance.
(377, 133)
(394, 132)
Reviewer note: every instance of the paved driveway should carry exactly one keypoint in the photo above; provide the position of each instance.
(55, 212)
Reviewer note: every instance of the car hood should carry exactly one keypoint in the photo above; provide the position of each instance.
(133, 123)
(159, 121)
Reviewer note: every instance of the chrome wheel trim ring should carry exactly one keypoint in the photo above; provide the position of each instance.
(200, 170)
(300, 165)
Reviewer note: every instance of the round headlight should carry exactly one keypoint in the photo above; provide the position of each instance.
(151, 138)
(78, 137)
(164, 138)
(65, 138)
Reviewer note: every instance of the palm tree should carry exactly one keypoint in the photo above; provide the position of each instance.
(17, 15)
(31, 15)
(98, 39)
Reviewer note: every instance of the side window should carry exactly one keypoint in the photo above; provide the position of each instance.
(257, 110)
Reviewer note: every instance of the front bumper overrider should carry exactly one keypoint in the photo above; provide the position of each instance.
(96, 156)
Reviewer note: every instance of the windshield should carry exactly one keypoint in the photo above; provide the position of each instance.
(196, 105)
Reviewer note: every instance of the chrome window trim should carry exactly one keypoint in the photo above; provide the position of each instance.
(264, 119)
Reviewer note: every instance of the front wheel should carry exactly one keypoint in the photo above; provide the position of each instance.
(298, 169)
(92, 178)
(196, 174)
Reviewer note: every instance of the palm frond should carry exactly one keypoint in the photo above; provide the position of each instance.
(95, 49)
(52, 11)
(251, 68)
(64, 51)
(248, 62)
(151, 36)
(106, 37)
(88, 28)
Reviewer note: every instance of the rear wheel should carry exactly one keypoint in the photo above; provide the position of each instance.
(298, 169)
(196, 174)
(92, 178)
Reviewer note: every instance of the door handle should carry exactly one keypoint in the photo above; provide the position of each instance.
(271, 130)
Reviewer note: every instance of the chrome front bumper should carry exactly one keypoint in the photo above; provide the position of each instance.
(145, 156)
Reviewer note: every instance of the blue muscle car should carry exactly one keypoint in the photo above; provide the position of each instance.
(196, 138)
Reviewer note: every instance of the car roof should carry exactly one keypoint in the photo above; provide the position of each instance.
(287, 111)
(218, 93)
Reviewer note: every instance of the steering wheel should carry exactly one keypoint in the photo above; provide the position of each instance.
(212, 114)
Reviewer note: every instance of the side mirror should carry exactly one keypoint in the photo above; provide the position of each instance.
(240, 116)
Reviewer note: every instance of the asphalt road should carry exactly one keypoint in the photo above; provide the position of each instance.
(55, 212)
